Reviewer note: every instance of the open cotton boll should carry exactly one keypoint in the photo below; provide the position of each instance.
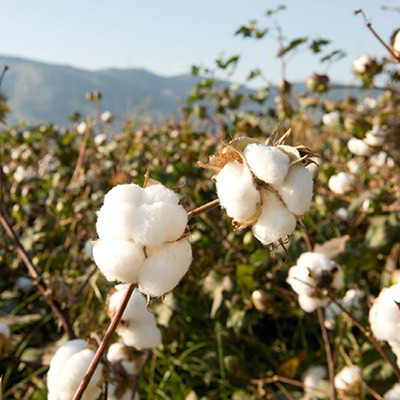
(114, 394)
(136, 309)
(116, 222)
(353, 166)
(236, 191)
(341, 183)
(348, 378)
(374, 140)
(156, 193)
(159, 223)
(268, 163)
(143, 336)
(66, 351)
(331, 119)
(358, 147)
(131, 361)
(310, 304)
(126, 193)
(313, 376)
(164, 267)
(72, 373)
(313, 167)
(384, 315)
(275, 221)
(393, 393)
(297, 189)
(118, 259)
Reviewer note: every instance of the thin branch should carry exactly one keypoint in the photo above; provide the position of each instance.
(81, 157)
(5, 69)
(104, 344)
(284, 391)
(328, 351)
(203, 208)
(38, 281)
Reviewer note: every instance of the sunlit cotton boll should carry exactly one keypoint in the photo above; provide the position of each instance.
(164, 267)
(331, 119)
(360, 65)
(236, 191)
(297, 189)
(118, 259)
(268, 163)
(156, 193)
(358, 147)
(341, 183)
(347, 379)
(384, 315)
(313, 376)
(140, 336)
(114, 394)
(125, 193)
(394, 392)
(275, 222)
(81, 128)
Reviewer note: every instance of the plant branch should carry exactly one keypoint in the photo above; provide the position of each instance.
(104, 344)
(81, 158)
(328, 350)
(203, 208)
(37, 278)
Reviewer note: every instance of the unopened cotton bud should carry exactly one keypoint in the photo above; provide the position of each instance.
(341, 183)
(297, 189)
(164, 267)
(313, 376)
(275, 221)
(236, 191)
(118, 259)
(268, 163)
(125, 193)
(140, 336)
(358, 147)
(394, 392)
(348, 378)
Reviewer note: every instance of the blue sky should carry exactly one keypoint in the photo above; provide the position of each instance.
(168, 36)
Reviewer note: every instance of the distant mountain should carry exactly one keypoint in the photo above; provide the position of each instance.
(42, 92)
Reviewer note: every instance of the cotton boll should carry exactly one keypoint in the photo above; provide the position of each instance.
(126, 193)
(313, 376)
(310, 304)
(374, 140)
(348, 378)
(297, 189)
(164, 267)
(144, 336)
(159, 223)
(313, 167)
(236, 191)
(275, 221)
(341, 183)
(116, 222)
(342, 213)
(126, 395)
(353, 166)
(156, 193)
(131, 361)
(268, 163)
(72, 373)
(331, 119)
(118, 259)
(393, 393)
(358, 147)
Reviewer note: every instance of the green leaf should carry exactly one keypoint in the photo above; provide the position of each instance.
(244, 276)
(254, 73)
(230, 61)
(195, 70)
(273, 11)
(338, 54)
(316, 45)
(292, 45)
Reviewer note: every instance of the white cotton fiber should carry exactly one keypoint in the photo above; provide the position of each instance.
(358, 147)
(348, 378)
(268, 163)
(158, 223)
(143, 336)
(164, 267)
(156, 193)
(341, 183)
(126, 395)
(136, 309)
(118, 259)
(393, 393)
(127, 193)
(236, 191)
(353, 166)
(116, 222)
(313, 376)
(384, 315)
(275, 221)
(119, 353)
(297, 189)
(72, 373)
(373, 139)
(310, 304)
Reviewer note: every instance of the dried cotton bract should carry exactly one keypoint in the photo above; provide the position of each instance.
(140, 233)
(67, 368)
(263, 185)
(313, 273)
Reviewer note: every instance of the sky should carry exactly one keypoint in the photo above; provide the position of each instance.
(168, 36)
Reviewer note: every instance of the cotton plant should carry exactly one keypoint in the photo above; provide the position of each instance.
(68, 367)
(348, 382)
(141, 238)
(265, 185)
(313, 274)
(341, 183)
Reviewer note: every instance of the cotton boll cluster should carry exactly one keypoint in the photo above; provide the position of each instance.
(348, 381)
(67, 368)
(5, 338)
(341, 183)
(358, 147)
(140, 241)
(313, 273)
(393, 393)
(138, 328)
(266, 186)
(313, 377)
(379, 160)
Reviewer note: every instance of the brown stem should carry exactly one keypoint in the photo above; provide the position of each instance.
(38, 279)
(369, 335)
(203, 208)
(328, 351)
(81, 157)
(104, 344)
